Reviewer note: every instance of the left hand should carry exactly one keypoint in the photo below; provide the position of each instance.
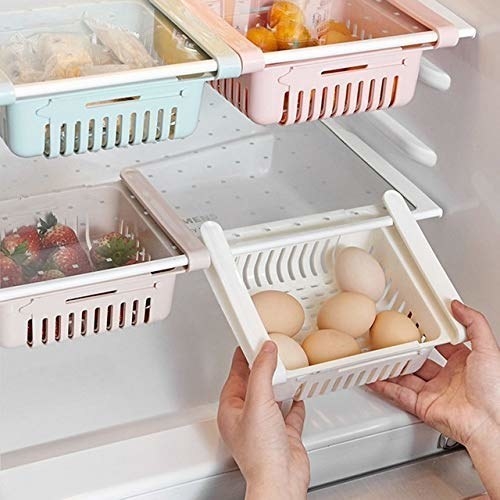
(267, 447)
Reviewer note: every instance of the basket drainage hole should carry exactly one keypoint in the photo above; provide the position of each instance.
(29, 333)
(135, 312)
(123, 312)
(109, 318)
(147, 310)
(58, 328)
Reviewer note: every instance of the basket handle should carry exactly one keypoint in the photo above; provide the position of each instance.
(448, 35)
(233, 297)
(166, 217)
(425, 258)
(7, 91)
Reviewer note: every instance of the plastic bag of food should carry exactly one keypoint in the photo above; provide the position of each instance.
(18, 60)
(63, 55)
(125, 45)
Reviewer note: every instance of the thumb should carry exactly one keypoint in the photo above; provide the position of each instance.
(478, 329)
(260, 388)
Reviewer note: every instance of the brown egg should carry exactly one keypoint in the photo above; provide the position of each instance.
(357, 271)
(392, 328)
(282, 10)
(290, 352)
(263, 38)
(292, 35)
(280, 312)
(347, 312)
(326, 345)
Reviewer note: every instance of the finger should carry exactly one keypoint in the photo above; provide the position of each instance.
(447, 350)
(429, 370)
(403, 397)
(236, 383)
(296, 416)
(260, 381)
(478, 329)
(411, 382)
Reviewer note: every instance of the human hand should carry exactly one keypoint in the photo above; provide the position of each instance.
(461, 399)
(267, 447)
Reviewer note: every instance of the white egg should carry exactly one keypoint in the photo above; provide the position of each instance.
(357, 271)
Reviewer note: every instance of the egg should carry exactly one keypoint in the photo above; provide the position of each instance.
(357, 271)
(326, 345)
(263, 38)
(279, 312)
(392, 328)
(347, 312)
(290, 352)
(282, 10)
(292, 35)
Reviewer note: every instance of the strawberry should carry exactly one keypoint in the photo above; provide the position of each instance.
(113, 250)
(54, 234)
(51, 274)
(69, 260)
(11, 274)
(23, 246)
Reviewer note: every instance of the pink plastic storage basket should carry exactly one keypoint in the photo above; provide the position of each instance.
(378, 69)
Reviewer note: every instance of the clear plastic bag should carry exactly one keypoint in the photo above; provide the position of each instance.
(59, 55)
(64, 55)
(125, 45)
(18, 60)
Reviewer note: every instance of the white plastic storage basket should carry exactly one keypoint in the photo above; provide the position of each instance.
(299, 262)
(375, 70)
(119, 107)
(98, 302)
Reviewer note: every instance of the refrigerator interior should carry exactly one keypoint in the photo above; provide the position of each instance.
(83, 395)
(89, 397)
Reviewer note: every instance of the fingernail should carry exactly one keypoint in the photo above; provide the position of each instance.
(269, 346)
(457, 303)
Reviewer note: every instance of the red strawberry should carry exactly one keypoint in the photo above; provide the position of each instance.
(113, 250)
(11, 273)
(23, 245)
(54, 234)
(51, 274)
(70, 260)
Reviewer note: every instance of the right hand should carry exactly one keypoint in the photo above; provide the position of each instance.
(461, 399)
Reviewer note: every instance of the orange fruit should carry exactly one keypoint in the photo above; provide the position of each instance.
(281, 10)
(332, 25)
(334, 37)
(292, 35)
(263, 38)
